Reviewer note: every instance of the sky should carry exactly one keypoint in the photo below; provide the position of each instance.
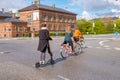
(88, 9)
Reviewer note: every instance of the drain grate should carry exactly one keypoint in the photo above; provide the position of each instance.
(6, 52)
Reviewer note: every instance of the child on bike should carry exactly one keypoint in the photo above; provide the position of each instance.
(68, 37)
(77, 35)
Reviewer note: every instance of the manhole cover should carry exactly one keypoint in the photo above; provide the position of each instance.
(4, 52)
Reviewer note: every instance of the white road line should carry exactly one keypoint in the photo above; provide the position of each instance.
(106, 46)
(64, 78)
(1, 52)
(117, 48)
(101, 42)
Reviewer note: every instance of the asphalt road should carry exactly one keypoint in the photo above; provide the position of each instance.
(99, 61)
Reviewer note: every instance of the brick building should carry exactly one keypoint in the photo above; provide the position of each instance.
(56, 18)
(10, 26)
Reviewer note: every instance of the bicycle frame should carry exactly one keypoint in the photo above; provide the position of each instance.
(65, 51)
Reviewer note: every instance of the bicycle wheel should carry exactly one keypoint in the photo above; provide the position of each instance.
(78, 49)
(62, 53)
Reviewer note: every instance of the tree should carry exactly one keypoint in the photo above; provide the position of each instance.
(99, 27)
(117, 25)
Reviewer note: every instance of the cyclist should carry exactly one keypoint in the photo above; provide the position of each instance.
(77, 35)
(68, 37)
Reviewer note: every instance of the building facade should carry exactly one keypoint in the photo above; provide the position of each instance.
(57, 19)
(10, 26)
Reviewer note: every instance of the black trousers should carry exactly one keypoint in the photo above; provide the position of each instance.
(47, 47)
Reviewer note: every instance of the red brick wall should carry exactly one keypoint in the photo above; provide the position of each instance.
(36, 25)
(11, 29)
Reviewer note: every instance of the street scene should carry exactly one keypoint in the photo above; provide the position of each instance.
(60, 40)
(98, 61)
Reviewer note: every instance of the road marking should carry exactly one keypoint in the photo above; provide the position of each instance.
(117, 48)
(1, 52)
(106, 46)
(4, 52)
(101, 42)
(64, 78)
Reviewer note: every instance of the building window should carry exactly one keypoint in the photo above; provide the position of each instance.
(4, 28)
(9, 29)
(55, 18)
(17, 28)
(35, 15)
(49, 26)
(4, 35)
(17, 35)
(60, 19)
(63, 19)
(29, 20)
(66, 20)
(49, 18)
(55, 27)
(44, 17)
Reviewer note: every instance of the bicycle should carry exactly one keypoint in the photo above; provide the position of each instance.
(66, 49)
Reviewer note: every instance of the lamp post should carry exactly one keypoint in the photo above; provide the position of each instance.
(93, 25)
(115, 27)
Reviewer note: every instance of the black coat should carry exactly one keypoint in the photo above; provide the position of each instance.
(43, 39)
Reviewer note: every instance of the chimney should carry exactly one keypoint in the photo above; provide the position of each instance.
(10, 11)
(2, 9)
(13, 15)
(36, 2)
(53, 5)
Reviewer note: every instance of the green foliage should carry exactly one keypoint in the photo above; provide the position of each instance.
(27, 35)
(36, 35)
(59, 34)
(117, 25)
(110, 28)
(99, 28)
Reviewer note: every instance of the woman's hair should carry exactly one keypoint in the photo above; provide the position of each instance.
(68, 29)
(44, 25)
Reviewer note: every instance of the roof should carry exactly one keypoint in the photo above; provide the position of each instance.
(40, 6)
(10, 20)
(5, 14)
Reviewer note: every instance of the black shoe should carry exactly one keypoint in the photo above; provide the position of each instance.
(52, 62)
(37, 64)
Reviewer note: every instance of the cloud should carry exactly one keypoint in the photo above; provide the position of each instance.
(115, 10)
(13, 4)
(95, 5)
(87, 16)
(98, 7)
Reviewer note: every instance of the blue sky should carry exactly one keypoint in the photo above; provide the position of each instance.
(84, 8)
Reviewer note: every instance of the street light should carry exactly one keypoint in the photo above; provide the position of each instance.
(114, 26)
(93, 25)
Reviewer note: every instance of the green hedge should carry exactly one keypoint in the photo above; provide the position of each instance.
(27, 35)
(59, 34)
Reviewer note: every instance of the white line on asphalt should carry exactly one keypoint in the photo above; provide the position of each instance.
(106, 46)
(63, 77)
(117, 48)
(101, 42)
(1, 52)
